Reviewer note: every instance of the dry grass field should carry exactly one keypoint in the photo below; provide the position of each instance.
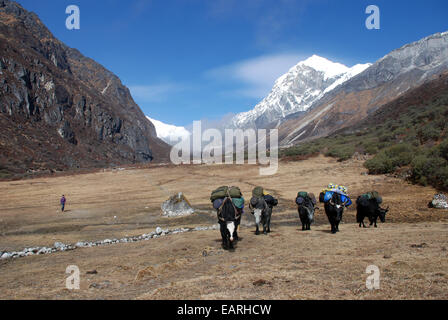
(410, 248)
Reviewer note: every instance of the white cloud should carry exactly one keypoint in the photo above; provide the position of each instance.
(258, 75)
(169, 133)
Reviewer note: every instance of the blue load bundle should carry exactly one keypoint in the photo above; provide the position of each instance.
(331, 189)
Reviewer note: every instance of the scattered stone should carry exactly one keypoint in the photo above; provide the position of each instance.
(159, 231)
(439, 202)
(92, 272)
(6, 255)
(177, 206)
(260, 283)
(387, 256)
(59, 245)
(101, 285)
(422, 245)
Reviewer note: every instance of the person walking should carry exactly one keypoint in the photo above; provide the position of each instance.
(63, 201)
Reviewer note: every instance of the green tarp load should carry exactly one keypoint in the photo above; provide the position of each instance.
(373, 195)
(258, 192)
(225, 191)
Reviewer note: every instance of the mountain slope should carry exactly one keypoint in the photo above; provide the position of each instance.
(60, 110)
(297, 90)
(390, 77)
(408, 136)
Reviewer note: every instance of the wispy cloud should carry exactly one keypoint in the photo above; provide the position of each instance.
(269, 18)
(256, 76)
(156, 92)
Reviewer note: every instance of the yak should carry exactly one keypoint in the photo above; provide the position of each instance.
(306, 214)
(229, 218)
(262, 213)
(371, 209)
(334, 210)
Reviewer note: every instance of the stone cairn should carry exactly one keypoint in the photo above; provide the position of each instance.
(177, 206)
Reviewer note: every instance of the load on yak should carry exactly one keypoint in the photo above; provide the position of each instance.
(335, 199)
(229, 205)
(261, 205)
(306, 205)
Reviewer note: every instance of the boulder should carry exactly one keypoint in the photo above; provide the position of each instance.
(177, 206)
(439, 202)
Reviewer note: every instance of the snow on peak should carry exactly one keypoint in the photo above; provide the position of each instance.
(169, 133)
(298, 90)
(331, 69)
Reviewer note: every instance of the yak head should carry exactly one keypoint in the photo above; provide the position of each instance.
(382, 213)
(337, 204)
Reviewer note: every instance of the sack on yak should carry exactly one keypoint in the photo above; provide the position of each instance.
(300, 201)
(372, 195)
(219, 193)
(270, 200)
(322, 197)
(224, 191)
(302, 194)
(217, 203)
(235, 192)
(238, 202)
(258, 192)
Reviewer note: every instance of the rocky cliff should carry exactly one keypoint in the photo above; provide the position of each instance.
(60, 110)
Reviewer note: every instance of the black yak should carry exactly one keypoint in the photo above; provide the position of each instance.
(371, 209)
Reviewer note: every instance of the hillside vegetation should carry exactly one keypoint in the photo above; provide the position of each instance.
(407, 136)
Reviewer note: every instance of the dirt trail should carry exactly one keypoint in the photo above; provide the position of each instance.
(410, 248)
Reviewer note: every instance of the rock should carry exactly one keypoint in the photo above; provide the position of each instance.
(101, 285)
(92, 272)
(439, 202)
(6, 255)
(44, 251)
(177, 206)
(59, 245)
(159, 231)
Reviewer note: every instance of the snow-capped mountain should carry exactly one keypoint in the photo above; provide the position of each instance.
(387, 79)
(297, 90)
(169, 133)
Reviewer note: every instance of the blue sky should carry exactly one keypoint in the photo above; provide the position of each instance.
(187, 60)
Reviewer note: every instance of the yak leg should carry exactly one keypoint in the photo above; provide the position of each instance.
(225, 238)
(269, 220)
